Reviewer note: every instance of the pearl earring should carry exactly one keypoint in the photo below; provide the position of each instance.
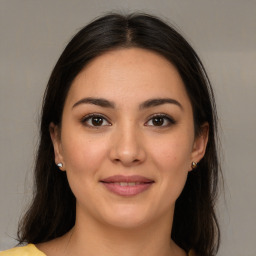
(60, 165)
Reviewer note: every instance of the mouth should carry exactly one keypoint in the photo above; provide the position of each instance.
(127, 185)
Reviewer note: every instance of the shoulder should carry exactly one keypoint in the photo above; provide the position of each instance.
(28, 250)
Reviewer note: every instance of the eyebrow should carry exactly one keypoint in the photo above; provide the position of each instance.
(109, 104)
(159, 101)
(96, 101)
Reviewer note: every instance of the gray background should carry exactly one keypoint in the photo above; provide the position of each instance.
(32, 35)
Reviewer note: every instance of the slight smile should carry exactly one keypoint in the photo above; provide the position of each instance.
(127, 185)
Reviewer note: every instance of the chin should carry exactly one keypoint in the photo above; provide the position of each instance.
(127, 222)
(128, 217)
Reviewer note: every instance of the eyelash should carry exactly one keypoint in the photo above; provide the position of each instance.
(167, 118)
(86, 118)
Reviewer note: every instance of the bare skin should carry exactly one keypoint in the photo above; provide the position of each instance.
(133, 131)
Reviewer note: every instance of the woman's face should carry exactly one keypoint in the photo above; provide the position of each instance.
(127, 138)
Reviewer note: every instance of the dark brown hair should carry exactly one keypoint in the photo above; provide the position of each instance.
(52, 211)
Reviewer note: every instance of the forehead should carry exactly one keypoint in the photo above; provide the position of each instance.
(128, 75)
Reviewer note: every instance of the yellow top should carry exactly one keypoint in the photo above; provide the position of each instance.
(31, 250)
(28, 250)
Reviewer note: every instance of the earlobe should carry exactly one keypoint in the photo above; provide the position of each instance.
(200, 144)
(56, 141)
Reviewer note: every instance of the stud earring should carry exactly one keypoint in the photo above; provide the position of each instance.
(60, 165)
(193, 165)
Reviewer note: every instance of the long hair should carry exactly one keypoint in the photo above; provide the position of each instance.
(52, 211)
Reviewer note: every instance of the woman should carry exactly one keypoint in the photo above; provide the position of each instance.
(127, 161)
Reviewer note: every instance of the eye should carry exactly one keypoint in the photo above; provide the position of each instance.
(160, 120)
(94, 120)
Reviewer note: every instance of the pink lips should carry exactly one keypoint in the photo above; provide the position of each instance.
(127, 185)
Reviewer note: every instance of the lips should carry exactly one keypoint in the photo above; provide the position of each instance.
(127, 185)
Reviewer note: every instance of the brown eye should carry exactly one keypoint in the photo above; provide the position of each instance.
(160, 120)
(95, 121)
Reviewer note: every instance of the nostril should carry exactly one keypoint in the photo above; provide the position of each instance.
(126, 161)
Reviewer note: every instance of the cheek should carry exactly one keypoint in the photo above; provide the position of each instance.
(83, 155)
(172, 160)
(172, 155)
(83, 159)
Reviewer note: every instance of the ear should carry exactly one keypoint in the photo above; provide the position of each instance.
(200, 144)
(56, 141)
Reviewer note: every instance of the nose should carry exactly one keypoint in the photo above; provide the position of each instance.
(127, 146)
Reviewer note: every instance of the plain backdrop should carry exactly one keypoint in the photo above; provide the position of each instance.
(33, 34)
